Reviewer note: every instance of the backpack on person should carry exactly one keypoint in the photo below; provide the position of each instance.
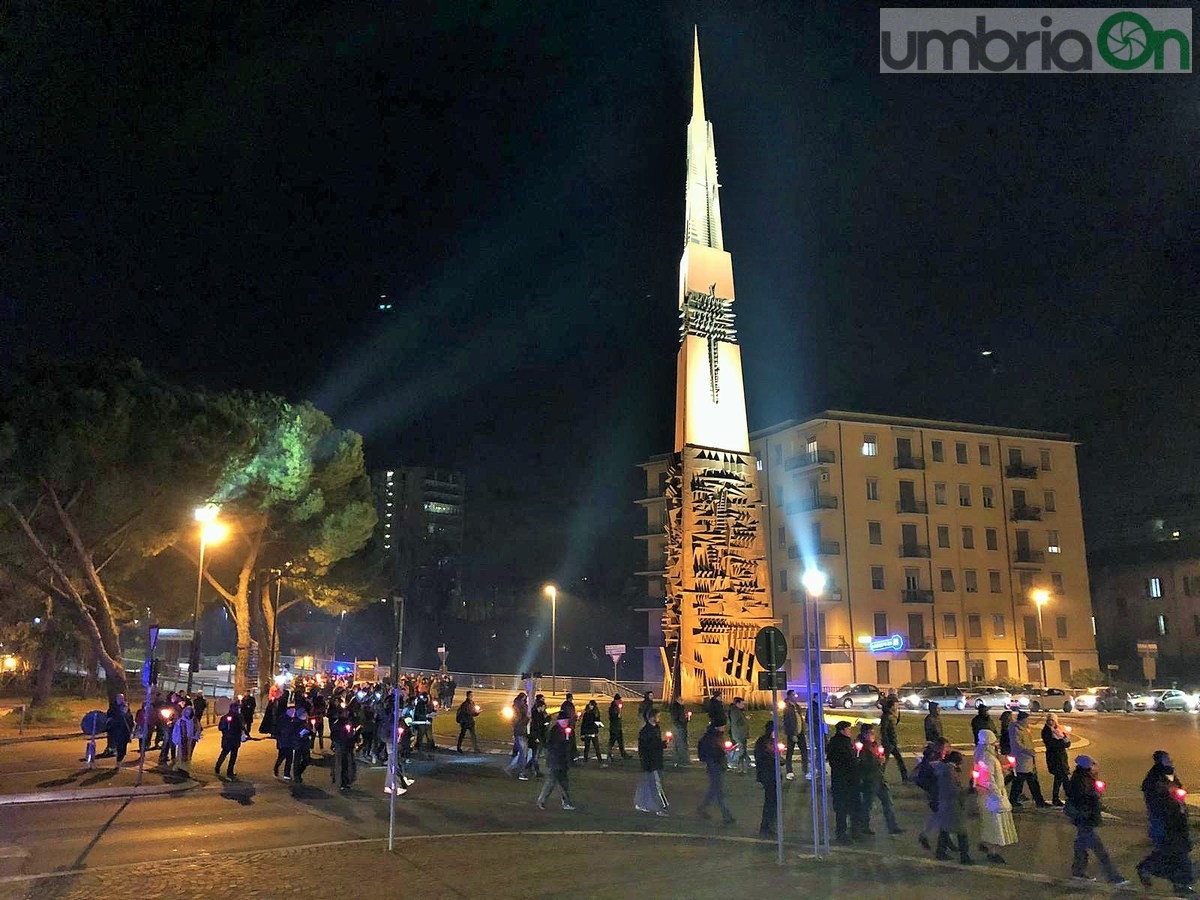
(924, 777)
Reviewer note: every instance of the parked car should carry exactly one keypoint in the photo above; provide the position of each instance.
(989, 696)
(944, 697)
(1174, 699)
(1037, 699)
(1143, 700)
(852, 695)
(1100, 699)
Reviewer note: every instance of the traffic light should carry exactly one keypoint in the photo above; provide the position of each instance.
(154, 664)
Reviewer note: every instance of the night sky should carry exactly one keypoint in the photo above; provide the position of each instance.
(225, 190)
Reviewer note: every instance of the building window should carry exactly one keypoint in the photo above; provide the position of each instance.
(1162, 624)
(989, 498)
(782, 537)
(758, 460)
(943, 536)
(1060, 627)
(1045, 460)
(990, 539)
(949, 625)
(1056, 581)
(875, 532)
(947, 576)
(970, 581)
(1154, 588)
(883, 672)
(881, 628)
(998, 625)
(964, 495)
(939, 494)
(939, 451)
(1052, 545)
(877, 578)
(1014, 456)
(783, 580)
(985, 454)
(960, 453)
(974, 626)
(1049, 504)
(1002, 668)
(912, 579)
(994, 581)
(1064, 671)
(872, 488)
(870, 445)
(1191, 585)
(810, 448)
(968, 537)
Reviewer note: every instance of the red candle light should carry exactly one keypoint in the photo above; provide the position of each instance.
(1100, 786)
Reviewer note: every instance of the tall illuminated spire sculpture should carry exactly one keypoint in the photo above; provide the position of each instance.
(717, 591)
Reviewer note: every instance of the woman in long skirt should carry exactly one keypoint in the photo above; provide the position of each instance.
(649, 796)
(996, 826)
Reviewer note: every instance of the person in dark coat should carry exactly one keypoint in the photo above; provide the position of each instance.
(1166, 810)
(558, 764)
(765, 751)
(950, 817)
(843, 783)
(646, 706)
(616, 730)
(231, 728)
(465, 717)
(342, 738)
(711, 750)
(871, 785)
(982, 722)
(248, 704)
(649, 796)
(1084, 808)
(716, 710)
(795, 732)
(925, 777)
(889, 720)
(120, 728)
(539, 726)
(287, 736)
(567, 711)
(1004, 735)
(589, 725)
(933, 722)
(1057, 741)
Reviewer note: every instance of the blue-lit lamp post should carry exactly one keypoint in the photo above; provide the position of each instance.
(814, 582)
(552, 593)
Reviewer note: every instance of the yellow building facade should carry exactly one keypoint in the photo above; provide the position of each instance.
(940, 532)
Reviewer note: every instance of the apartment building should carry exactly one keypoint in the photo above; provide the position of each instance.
(1148, 592)
(940, 532)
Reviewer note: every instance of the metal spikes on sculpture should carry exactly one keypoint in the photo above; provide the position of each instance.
(717, 588)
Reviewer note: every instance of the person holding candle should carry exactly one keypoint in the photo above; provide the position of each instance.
(1083, 808)
(467, 711)
(996, 826)
(1166, 809)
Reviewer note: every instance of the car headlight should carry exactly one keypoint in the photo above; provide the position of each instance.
(912, 699)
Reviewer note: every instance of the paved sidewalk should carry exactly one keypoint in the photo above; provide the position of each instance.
(549, 865)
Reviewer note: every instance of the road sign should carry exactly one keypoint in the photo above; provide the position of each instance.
(772, 681)
(614, 649)
(770, 648)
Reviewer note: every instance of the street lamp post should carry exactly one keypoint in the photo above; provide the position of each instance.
(814, 581)
(211, 532)
(552, 592)
(1041, 597)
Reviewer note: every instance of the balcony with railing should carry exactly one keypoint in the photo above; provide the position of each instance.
(1025, 556)
(909, 462)
(916, 507)
(1026, 514)
(916, 595)
(824, 548)
(1020, 470)
(1044, 652)
(914, 551)
(809, 458)
(810, 504)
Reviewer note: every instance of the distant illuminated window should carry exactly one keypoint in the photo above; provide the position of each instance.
(1162, 624)
(1154, 588)
(870, 446)
(1052, 545)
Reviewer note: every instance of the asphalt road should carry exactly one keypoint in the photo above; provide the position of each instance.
(470, 795)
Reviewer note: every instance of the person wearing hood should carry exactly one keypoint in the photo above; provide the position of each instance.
(1084, 809)
(871, 784)
(950, 817)
(679, 721)
(1057, 741)
(616, 729)
(589, 727)
(982, 722)
(649, 796)
(933, 722)
(120, 728)
(1166, 810)
(996, 826)
(231, 728)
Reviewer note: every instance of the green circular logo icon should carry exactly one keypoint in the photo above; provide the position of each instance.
(1126, 40)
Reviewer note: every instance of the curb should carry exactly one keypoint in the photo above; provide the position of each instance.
(150, 790)
(31, 739)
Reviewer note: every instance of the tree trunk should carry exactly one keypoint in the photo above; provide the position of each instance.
(268, 641)
(88, 687)
(43, 679)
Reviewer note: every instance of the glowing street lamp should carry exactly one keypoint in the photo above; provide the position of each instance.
(1041, 597)
(211, 532)
(552, 592)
